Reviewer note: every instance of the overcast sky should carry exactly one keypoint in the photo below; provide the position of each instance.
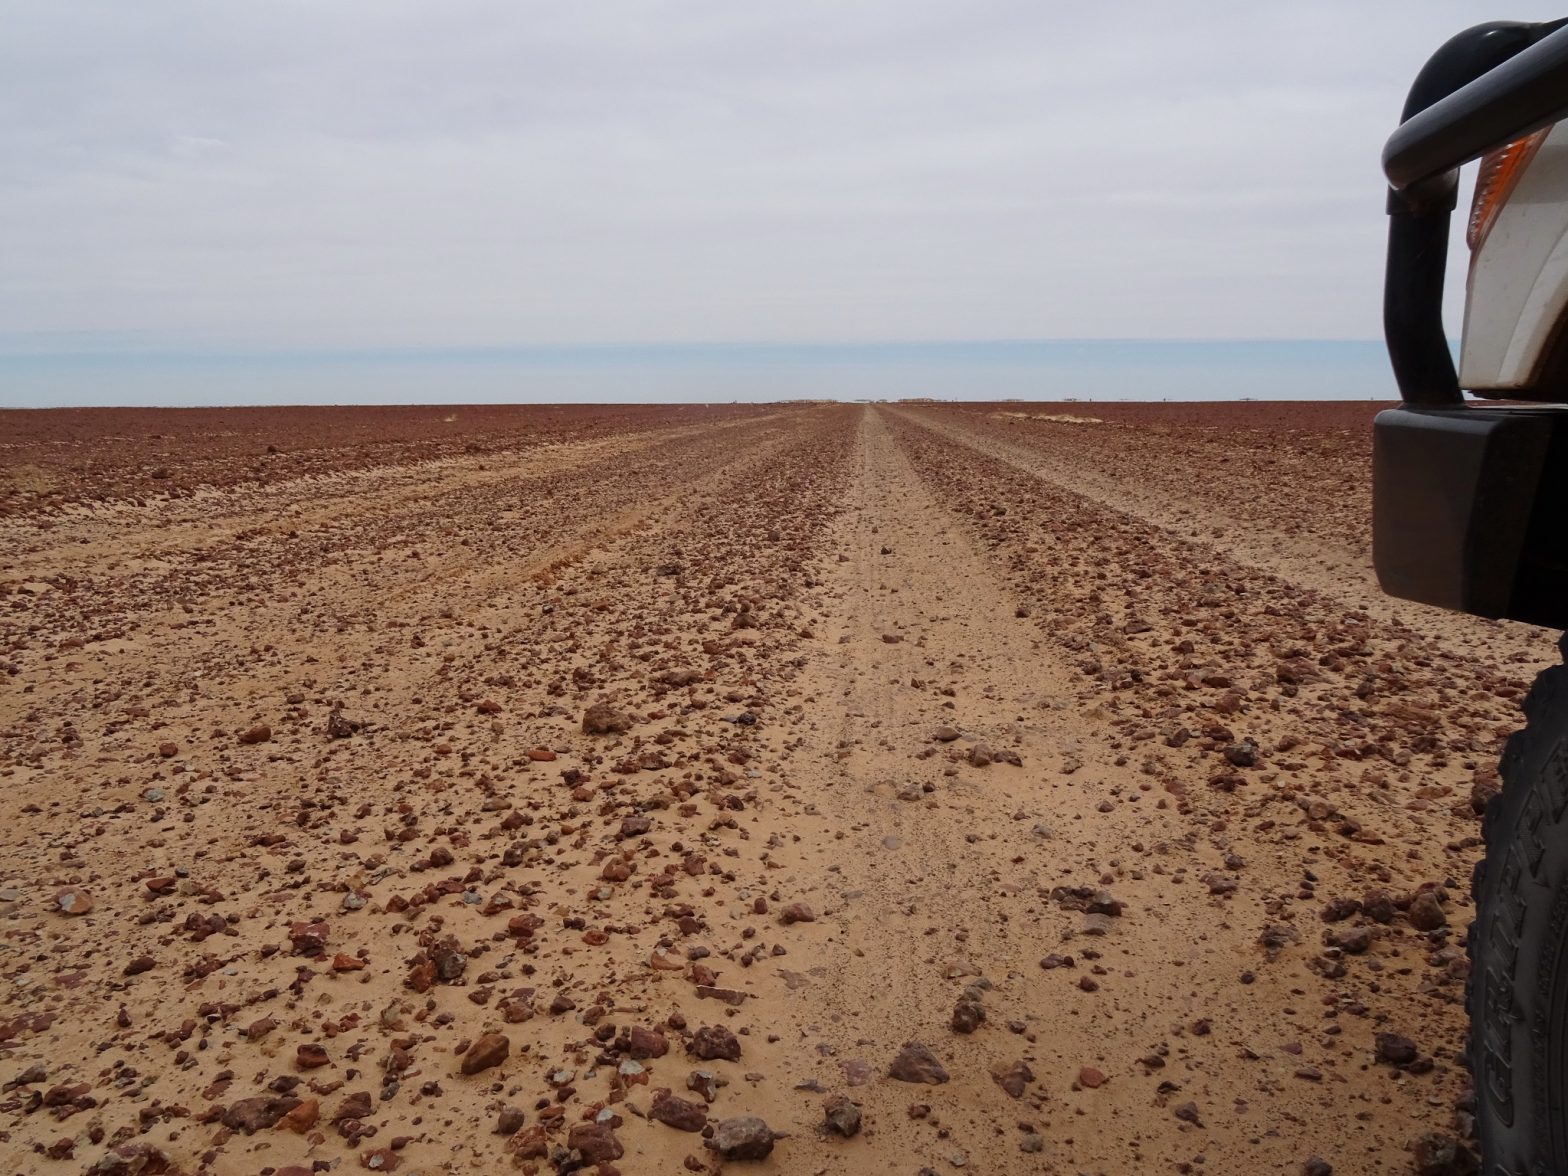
(275, 175)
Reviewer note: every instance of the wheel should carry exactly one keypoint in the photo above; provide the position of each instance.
(1518, 994)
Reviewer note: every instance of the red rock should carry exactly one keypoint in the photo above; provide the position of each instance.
(255, 1114)
(916, 1063)
(346, 963)
(490, 1050)
(524, 924)
(356, 1106)
(421, 976)
(542, 755)
(797, 912)
(1394, 1049)
(841, 1116)
(133, 1159)
(1379, 906)
(1090, 1078)
(302, 1118)
(73, 900)
(744, 1138)
(529, 1144)
(308, 938)
(603, 719)
(596, 1142)
(256, 1030)
(1426, 913)
(636, 825)
(168, 750)
(260, 733)
(1013, 1079)
(644, 1043)
(381, 1159)
(449, 961)
(311, 1056)
(968, 1015)
(715, 1041)
(1437, 1154)
(677, 1112)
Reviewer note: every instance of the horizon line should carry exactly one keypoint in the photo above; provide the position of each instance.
(569, 349)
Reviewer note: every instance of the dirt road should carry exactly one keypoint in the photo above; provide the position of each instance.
(949, 788)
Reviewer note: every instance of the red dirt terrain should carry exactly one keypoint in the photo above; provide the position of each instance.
(792, 788)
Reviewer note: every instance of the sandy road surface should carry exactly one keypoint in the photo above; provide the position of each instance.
(901, 729)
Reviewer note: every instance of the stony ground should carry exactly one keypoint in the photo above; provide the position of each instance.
(796, 788)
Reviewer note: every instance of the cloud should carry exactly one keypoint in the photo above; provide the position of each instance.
(382, 172)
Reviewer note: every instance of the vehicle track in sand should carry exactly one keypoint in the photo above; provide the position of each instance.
(1326, 544)
(1167, 909)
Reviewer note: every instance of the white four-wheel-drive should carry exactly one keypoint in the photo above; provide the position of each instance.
(1469, 513)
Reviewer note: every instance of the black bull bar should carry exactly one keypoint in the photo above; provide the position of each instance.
(1468, 501)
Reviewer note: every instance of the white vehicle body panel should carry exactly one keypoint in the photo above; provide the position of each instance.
(1517, 291)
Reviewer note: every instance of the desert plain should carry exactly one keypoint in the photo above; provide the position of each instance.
(795, 788)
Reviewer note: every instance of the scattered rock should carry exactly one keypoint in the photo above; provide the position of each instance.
(1243, 754)
(603, 719)
(133, 1159)
(1351, 940)
(968, 1015)
(250, 1115)
(302, 1118)
(1426, 913)
(1437, 1154)
(308, 939)
(1014, 1079)
(644, 1043)
(744, 1138)
(73, 900)
(1339, 909)
(916, 1063)
(715, 1042)
(596, 1142)
(841, 1116)
(1394, 1049)
(340, 726)
(489, 1050)
(1379, 906)
(677, 1112)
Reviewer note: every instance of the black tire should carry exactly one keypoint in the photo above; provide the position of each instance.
(1518, 995)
